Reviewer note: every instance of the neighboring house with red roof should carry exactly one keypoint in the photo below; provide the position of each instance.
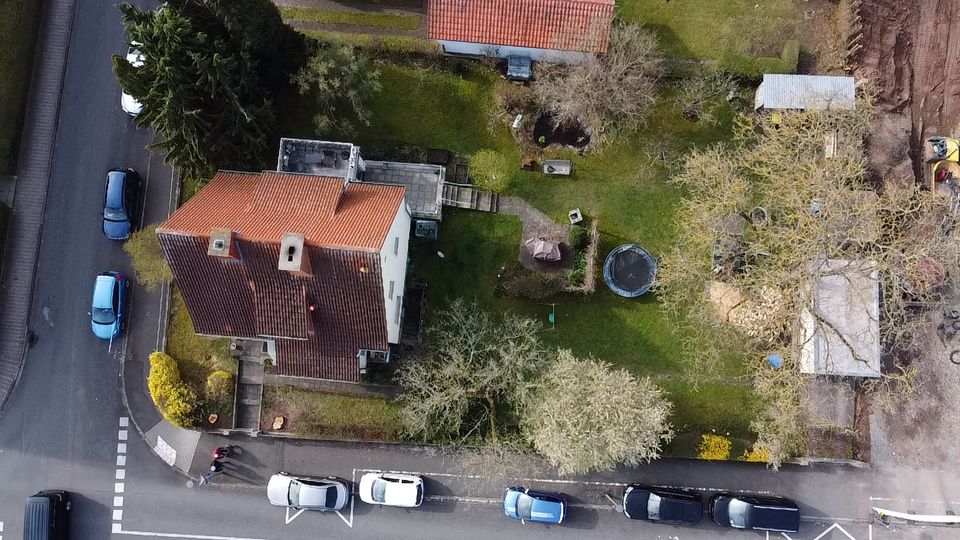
(558, 30)
(312, 266)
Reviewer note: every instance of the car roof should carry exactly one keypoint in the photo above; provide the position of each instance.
(103, 291)
(400, 493)
(314, 492)
(115, 181)
(542, 509)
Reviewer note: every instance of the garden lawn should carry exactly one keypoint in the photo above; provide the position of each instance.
(709, 29)
(399, 21)
(331, 416)
(19, 20)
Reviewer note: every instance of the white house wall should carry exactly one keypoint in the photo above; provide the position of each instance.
(503, 51)
(394, 269)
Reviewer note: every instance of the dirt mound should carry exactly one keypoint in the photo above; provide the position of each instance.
(911, 53)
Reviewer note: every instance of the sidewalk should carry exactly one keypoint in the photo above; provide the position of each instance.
(30, 194)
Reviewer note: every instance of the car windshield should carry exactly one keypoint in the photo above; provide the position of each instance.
(331, 497)
(524, 506)
(103, 316)
(113, 205)
(294, 494)
(738, 511)
(379, 490)
(653, 507)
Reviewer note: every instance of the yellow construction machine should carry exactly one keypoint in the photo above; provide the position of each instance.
(942, 155)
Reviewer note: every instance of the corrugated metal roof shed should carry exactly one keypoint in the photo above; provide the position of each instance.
(814, 92)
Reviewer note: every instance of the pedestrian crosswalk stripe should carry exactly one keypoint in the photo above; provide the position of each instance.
(118, 487)
(120, 474)
(122, 435)
(118, 501)
(121, 448)
(117, 515)
(124, 421)
(121, 461)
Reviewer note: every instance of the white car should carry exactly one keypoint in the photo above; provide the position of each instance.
(390, 489)
(305, 492)
(127, 102)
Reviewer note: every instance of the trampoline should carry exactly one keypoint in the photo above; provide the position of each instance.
(630, 270)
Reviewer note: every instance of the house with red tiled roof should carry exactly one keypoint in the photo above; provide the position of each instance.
(311, 266)
(556, 30)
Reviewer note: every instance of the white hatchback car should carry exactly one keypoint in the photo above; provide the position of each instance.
(128, 103)
(392, 489)
(306, 492)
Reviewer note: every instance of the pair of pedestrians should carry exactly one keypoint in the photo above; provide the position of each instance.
(216, 466)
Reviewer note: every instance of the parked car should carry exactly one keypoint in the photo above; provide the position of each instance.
(107, 309)
(128, 103)
(755, 512)
(530, 505)
(662, 504)
(120, 196)
(46, 516)
(391, 489)
(306, 492)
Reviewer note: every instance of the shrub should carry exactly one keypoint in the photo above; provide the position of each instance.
(490, 170)
(578, 237)
(175, 400)
(757, 454)
(579, 270)
(219, 387)
(532, 285)
(514, 99)
(714, 447)
(146, 257)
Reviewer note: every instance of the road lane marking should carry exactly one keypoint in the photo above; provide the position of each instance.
(928, 501)
(118, 502)
(563, 481)
(122, 435)
(118, 530)
(121, 460)
(118, 487)
(118, 515)
(121, 448)
(124, 421)
(120, 474)
(290, 518)
(837, 527)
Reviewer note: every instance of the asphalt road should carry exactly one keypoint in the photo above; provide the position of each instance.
(64, 426)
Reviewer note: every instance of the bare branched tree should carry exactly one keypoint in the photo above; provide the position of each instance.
(615, 90)
(766, 219)
(474, 372)
(587, 416)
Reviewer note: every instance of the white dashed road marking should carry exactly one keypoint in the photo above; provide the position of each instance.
(119, 474)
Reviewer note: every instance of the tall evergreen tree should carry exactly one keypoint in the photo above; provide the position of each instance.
(206, 78)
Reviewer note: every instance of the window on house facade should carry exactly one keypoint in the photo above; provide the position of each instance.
(396, 316)
(390, 292)
(396, 246)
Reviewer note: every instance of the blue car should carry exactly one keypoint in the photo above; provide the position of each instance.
(530, 505)
(109, 296)
(120, 196)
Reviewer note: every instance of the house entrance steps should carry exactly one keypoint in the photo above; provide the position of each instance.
(249, 386)
(467, 196)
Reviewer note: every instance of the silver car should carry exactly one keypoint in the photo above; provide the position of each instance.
(389, 489)
(309, 493)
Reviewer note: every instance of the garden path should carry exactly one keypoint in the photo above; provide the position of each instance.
(536, 224)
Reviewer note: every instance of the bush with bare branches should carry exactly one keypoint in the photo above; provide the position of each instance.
(473, 373)
(615, 90)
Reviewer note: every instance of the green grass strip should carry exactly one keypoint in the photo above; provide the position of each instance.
(398, 21)
(399, 44)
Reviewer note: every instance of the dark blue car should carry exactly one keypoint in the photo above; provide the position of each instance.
(106, 309)
(531, 505)
(120, 197)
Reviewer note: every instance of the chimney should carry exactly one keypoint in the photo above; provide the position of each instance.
(293, 255)
(222, 244)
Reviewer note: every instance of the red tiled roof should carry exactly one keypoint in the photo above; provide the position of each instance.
(249, 297)
(567, 25)
(263, 206)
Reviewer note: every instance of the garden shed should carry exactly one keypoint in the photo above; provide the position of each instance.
(805, 92)
(841, 334)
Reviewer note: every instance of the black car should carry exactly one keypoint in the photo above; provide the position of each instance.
(120, 197)
(47, 516)
(755, 512)
(662, 504)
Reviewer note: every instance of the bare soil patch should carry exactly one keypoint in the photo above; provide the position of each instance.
(910, 51)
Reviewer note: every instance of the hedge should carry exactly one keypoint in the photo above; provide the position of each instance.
(175, 400)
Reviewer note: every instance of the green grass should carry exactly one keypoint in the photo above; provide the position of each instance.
(399, 21)
(19, 20)
(708, 30)
(334, 416)
(196, 356)
(374, 42)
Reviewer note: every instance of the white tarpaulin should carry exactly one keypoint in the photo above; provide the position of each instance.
(544, 250)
